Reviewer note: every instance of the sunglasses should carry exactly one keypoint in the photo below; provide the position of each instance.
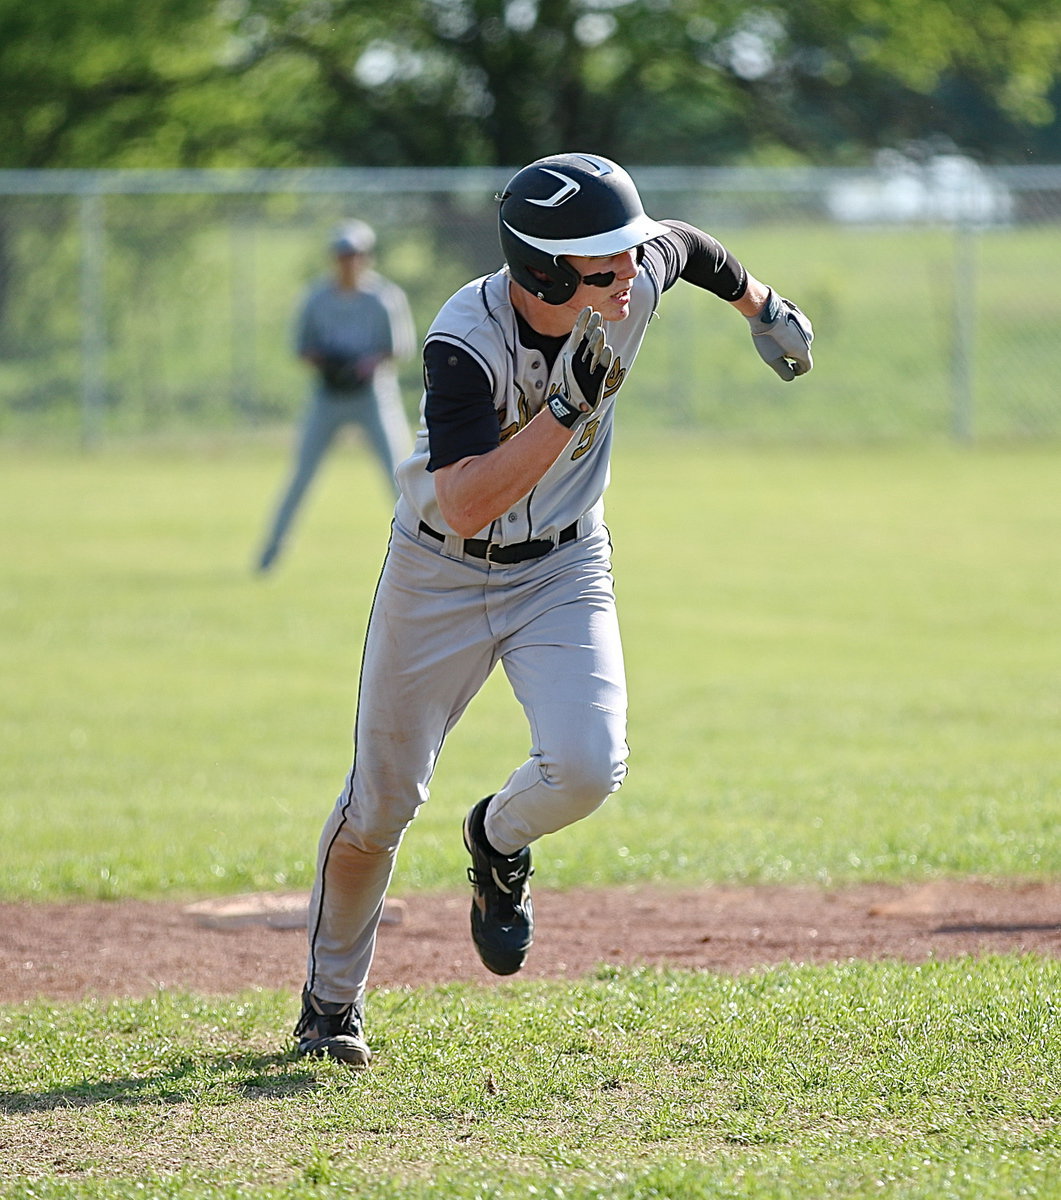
(605, 279)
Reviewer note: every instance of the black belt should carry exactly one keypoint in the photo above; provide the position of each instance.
(515, 552)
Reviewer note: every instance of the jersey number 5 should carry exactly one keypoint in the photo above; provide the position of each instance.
(589, 434)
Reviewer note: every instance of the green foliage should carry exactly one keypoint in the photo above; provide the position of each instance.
(680, 81)
(284, 82)
(842, 667)
(84, 83)
(1011, 47)
(886, 72)
(925, 1081)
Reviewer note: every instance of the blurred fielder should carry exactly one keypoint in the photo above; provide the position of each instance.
(351, 328)
(498, 554)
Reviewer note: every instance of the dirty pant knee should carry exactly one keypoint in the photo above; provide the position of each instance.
(354, 870)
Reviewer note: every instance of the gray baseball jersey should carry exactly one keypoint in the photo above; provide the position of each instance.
(481, 321)
(372, 319)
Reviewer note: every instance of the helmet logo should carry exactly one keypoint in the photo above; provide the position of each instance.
(600, 165)
(567, 189)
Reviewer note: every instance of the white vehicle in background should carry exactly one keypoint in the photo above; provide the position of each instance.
(949, 188)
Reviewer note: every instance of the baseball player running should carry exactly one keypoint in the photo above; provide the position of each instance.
(498, 554)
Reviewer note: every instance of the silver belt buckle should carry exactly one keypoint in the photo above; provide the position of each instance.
(490, 549)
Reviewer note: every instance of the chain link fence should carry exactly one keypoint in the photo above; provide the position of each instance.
(143, 302)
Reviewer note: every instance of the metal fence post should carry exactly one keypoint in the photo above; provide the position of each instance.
(93, 331)
(963, 331)
(242, 282)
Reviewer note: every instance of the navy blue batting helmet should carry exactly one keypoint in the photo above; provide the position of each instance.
(580, 204)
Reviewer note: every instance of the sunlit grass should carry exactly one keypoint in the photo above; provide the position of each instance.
(857, 1080)
(843, 665)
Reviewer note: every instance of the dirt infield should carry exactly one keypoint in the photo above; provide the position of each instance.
(126, 948)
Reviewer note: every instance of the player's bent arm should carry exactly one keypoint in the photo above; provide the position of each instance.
(476, 490)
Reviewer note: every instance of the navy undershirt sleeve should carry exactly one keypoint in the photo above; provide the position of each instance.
(458, 407)
(696, 257)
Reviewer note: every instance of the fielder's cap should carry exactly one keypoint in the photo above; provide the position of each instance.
(353, 237)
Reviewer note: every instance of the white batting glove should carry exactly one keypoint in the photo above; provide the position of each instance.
(782, 335)
(584, 363)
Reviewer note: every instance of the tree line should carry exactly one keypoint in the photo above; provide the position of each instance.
(283, 83)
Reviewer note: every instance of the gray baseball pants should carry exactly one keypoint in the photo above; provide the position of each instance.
(438, 627)
(376, 409)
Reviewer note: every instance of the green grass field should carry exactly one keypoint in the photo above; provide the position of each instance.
(857, 1081)
(844, 665)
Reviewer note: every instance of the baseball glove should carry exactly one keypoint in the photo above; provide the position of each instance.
(340, 373)
(584, 362)
(782, 335)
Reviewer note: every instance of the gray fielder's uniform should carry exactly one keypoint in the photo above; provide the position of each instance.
(447, 610)
(372, 320)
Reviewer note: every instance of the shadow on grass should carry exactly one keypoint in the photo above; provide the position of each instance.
(269, 1076)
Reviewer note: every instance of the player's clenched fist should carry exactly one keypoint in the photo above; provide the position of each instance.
(782, 335)
(584, 363)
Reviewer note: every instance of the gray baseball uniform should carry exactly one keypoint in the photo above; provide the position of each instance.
(533, 592)
(366, 323)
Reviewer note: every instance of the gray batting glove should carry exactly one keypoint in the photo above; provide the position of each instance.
(584, 363)
(782, 335)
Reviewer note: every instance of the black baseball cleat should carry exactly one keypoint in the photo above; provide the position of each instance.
(502, 913)
(329, 1030)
